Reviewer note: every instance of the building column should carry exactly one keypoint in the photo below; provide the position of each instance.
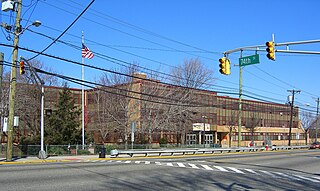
(215, 137)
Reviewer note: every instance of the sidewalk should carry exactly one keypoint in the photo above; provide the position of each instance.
(33, 159)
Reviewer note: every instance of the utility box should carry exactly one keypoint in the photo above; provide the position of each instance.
(7, 5)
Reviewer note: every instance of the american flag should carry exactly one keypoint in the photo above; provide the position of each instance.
(86, 53)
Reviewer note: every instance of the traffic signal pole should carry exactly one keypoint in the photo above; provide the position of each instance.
(240, 104)
(271, 52)
(13, 80)
(317, 119)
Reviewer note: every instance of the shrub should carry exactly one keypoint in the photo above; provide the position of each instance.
(163, 141)
(56, 151)
(83, 152)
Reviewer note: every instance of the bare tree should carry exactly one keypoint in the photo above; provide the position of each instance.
(191, 75)
(307, 121)
(28, 93)
(113, 101)
(231, 123)
(252, 123)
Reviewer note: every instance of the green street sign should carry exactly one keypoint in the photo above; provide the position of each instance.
(248, 60)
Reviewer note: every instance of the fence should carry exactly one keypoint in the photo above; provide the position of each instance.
(72, 150)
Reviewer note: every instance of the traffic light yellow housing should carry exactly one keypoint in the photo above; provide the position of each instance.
(271, 52)
(22, 71)
(224, 66)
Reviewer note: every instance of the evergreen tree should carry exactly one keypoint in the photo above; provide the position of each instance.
(63, 124)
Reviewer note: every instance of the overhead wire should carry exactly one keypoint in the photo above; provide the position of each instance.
(126, 64)
(127, 75)
(109, 17)
(121, 31)
(252, 108)
(64, 30)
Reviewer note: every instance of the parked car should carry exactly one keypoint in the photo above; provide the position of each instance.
(315, 145)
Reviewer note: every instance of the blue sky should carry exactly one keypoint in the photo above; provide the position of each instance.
(129, 30)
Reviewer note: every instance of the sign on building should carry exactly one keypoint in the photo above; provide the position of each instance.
(5, 124)
(199, 127)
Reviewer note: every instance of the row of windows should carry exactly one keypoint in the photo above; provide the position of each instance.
(268, 136)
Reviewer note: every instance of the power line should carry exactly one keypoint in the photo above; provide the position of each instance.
(64, 30)
(123, 32)
(119, 73)
(143, 30)
(102, 56)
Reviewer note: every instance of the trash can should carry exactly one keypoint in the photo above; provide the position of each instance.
(102, 153)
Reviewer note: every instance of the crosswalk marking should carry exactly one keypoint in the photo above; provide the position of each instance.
(235, 170)
(193, 166)
(316, 177)
(181, 164)
(251, 171)
(206, 167)
(305, 178)
(221, 168)
(268, 173)
(287, 176)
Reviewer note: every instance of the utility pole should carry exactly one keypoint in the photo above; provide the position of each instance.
(317, 118)
(292, 108)
(13, 80)
(240, 104)
(1, 109)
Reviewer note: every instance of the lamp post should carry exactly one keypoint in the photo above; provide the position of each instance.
(204, 130)
(13, 78)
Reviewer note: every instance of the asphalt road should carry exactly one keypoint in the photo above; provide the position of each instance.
(290, 170)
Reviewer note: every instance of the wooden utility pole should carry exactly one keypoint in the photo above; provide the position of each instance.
(292, 108)
(1, 112)
(13, 81)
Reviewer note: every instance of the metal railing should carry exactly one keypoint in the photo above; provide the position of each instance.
(160, 152)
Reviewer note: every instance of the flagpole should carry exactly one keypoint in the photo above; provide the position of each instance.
(82, 98)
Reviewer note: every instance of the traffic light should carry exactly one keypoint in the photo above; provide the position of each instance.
(22, 71)
(271, 52)
(224, 66)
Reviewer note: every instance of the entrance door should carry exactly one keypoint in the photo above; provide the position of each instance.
(208, 139)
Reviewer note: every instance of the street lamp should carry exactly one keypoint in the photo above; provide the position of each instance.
(204, 130)
(36, 23)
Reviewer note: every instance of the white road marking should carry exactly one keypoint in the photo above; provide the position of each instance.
(268, 173)
(169, 164)
(221, 168)
(137, 162)
(157, 163)
(206, 167)
(250, 170)
(181, 164)
(128, 161)
(235, 170)
(316, 177)
(305, 178)
(147, 162)
(286, 175)
(193, 166)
